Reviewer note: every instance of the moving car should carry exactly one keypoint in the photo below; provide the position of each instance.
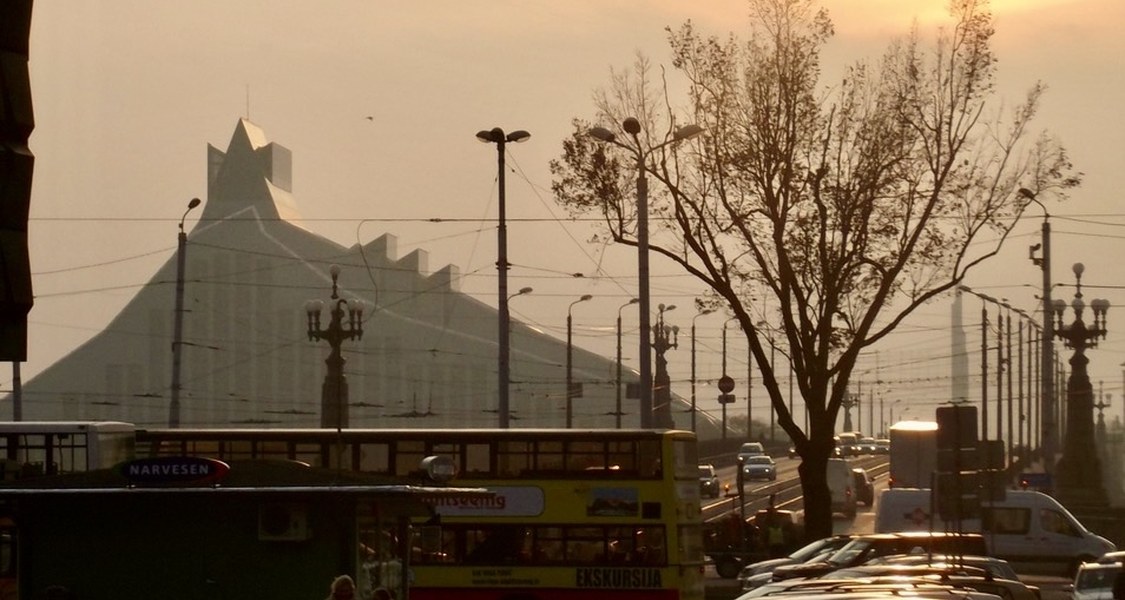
(709, 485)
(841, 487)
(749, 449)
(863, 486)
(1029, 529)
(759, 467)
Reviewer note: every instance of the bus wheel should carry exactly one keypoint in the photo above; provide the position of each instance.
(728, 567)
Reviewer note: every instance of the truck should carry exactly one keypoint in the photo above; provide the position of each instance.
(913, 454)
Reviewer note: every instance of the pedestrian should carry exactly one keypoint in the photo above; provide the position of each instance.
(342, 588)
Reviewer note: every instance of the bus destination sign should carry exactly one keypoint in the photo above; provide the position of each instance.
(166, 470)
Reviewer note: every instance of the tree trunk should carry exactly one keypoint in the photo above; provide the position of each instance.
(814, 486)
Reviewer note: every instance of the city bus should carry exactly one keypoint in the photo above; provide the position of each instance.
(607, 513)
(36, 448)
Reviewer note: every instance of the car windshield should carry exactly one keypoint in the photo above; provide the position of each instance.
(811, 549)
(706, 471)
(759, 460)
(998, 567)
(849, 553)
(1096, 578)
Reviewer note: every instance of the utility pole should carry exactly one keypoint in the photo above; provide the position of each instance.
(1048, 430)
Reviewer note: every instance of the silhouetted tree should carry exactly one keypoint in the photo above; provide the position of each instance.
(842, 209)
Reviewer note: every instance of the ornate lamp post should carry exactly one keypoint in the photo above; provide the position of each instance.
(633, 127)
(701, 313)
(178, 326)
(1079, 475)
(851, 400)
(571, 392)
(617, 412)
(498, 137)
(664, 338)
(334, 392)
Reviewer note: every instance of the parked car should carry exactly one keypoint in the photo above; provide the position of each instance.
(759, 467)
(1094, 580)
(709, 485)
(845, 589)
(998, 567)
(863, 486)
(865, 547)
(805, 553)
(959, 575)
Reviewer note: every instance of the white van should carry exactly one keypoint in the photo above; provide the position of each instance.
(840, 487)
(1029, 529)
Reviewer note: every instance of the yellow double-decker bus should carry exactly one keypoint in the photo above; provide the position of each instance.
(606, 513)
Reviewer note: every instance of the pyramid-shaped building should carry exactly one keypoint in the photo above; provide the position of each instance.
(427, 357)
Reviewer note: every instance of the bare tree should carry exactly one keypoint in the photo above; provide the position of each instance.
(842, 208)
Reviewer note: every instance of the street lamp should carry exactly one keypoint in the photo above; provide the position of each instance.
(178, 322)
(334, 392)
(497, 136)
(701, 313)
(570, 391)
(633, 127)
(617, 412)
(1079, 477)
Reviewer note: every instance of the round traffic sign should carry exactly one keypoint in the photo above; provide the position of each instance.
(726, 384)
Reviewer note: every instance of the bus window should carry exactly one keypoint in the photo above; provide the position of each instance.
(408, 456)
(375, 458)
(477, 463)
(514, 458)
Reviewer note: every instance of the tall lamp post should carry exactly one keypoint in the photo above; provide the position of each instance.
(178, 319)
(498, 137)
(506, 383)
(570, 391)
(334, 392)
(633, 127)
(617, 409)
(701, 313)
(1079, 476)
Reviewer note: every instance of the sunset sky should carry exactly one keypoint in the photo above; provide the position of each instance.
(128, 93)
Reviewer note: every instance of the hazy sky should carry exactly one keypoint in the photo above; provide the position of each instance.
(129, 93)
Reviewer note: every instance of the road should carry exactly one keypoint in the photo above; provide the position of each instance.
(757, 493)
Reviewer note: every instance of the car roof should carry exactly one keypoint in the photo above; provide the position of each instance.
(997, 566)
(845, 589)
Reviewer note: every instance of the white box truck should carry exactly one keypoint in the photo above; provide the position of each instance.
(1029, 529)
(913, 454)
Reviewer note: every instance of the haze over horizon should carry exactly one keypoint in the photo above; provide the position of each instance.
(379, 103)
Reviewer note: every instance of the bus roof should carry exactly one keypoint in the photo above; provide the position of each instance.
(8, 427)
